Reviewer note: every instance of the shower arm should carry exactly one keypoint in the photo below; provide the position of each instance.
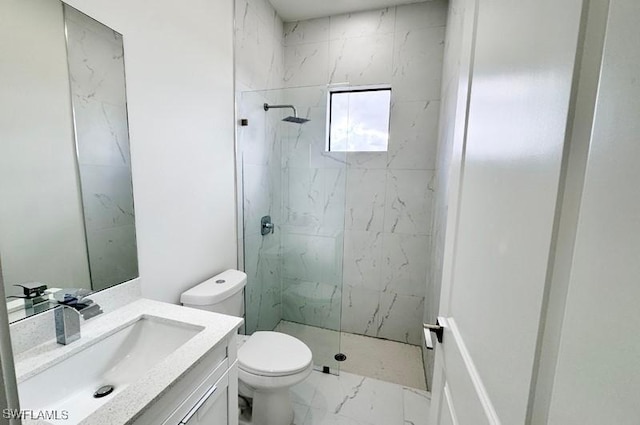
(267, 107)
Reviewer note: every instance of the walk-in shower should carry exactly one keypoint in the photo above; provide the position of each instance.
(295, 271)
(293, 119)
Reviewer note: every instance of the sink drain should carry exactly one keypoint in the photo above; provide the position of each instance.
(103, 391)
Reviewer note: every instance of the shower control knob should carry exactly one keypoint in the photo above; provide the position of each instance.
(266, 226)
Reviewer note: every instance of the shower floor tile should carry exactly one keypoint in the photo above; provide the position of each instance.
(369, 357)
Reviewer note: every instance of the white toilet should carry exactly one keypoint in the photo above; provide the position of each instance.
(269, 363)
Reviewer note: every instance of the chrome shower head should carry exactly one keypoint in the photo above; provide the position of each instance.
(294, 119)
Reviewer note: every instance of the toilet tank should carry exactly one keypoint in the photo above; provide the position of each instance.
(221, 294)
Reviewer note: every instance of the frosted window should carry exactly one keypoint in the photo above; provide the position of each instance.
(359, 120)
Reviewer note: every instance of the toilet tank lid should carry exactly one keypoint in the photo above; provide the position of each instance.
(216, 289)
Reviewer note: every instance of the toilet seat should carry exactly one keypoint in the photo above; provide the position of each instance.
(273, 354)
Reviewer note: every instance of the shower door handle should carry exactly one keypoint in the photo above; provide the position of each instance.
(437, 329)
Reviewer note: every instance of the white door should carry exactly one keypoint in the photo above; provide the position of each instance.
(597, 376)
(509, 139)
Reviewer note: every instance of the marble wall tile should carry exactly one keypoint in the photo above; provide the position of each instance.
(253, 144)
(421, 15)
(362, 24)
(91, 43)
(305, 137)
(96, 69)
(365, 202)
(102, 131)
(259, 66)
(361, 60)
(113, 256)
(312, 303)
(247, 42)
(267, 14)
(387, 211)
(363, 265)
(360, 310)
(262, 262)
(408, 202)
(367, 160)
(310, 31)
(401, 318)
(306, 64)
(313, 258)
(276, 63)
(413, 135)
(304, 199)
(259, 50)
(404, 263)
(257, 191)
(321, 158)
(308, 96)
(333, 210)
(314, 199)
(295, 151)
(417, 64)
(107, 196)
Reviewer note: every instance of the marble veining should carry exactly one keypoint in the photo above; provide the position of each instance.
(378, 204)
(97, 75)
(361, 60)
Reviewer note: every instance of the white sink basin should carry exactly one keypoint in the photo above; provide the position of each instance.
(118, 360)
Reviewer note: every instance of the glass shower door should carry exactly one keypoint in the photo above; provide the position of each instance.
(295, 273)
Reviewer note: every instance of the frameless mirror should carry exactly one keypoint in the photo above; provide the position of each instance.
(66, 215)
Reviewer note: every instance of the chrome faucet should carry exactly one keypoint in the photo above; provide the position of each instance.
(67, 324)
(67, 318)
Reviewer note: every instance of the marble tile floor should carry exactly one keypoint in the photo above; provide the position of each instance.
(350, 399)
(381, 359)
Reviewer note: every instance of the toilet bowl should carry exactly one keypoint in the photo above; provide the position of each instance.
(269, 363)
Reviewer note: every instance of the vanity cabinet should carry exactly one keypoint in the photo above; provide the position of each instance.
(210, 408)
(206, 395)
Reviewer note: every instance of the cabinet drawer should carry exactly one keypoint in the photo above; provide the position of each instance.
(184, 388)
(209, 404)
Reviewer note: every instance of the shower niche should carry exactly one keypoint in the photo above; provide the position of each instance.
(285, 172)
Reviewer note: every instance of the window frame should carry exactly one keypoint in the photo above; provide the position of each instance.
(355, 89)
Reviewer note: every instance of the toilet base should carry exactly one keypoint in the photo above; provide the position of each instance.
(271, 407)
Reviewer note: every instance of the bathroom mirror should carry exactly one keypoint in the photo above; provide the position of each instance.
(66, 215)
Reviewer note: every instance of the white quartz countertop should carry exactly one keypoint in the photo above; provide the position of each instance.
(124, 407)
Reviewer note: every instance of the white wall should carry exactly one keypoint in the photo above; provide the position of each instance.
(41, 222)
(179, 65)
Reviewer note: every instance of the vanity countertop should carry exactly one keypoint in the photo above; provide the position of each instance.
(135, 399)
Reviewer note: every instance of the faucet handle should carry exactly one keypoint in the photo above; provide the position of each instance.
(90, 309)
(31, 289)
(85, 306)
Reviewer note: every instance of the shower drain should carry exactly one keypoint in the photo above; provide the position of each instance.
(340, 357)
